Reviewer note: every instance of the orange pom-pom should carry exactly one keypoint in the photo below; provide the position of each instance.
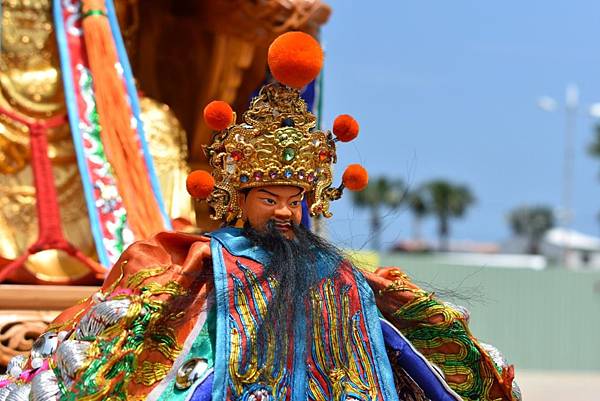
(355, 177)
(200, 184)
(345, 128)
(218, 115)
(295, 59)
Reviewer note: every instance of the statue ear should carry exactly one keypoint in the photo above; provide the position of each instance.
(241, 198)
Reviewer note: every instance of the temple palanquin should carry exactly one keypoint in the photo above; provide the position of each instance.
(183, 54)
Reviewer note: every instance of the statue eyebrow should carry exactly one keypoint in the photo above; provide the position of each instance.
(275, 195)
(268, 192)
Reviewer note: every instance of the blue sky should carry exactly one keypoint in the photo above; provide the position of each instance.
(449, 89)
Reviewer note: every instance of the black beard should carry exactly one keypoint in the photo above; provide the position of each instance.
(293, 263)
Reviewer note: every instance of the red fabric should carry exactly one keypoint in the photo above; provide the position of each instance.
(50, 234)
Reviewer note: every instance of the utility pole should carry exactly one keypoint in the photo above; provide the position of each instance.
(565, 213)
(571, 111)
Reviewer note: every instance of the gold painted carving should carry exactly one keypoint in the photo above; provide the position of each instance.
(262, 21)
(30, 84)
(29, 77)
(168, 147)
(19, 329)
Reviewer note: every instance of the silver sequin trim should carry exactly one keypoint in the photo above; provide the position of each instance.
(15, 365)
(496, 355)
(4, 391)
(18, 392)
(45, 345)
(460, 309)
(500, 360)
(101, 316)
(44, 387)
(70, 357)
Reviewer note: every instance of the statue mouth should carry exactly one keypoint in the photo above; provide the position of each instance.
(283, 226)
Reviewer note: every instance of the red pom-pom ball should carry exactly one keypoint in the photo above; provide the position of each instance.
(218, 115)
(295, 59)
(200, 184)
(345, 128)
(355, 177)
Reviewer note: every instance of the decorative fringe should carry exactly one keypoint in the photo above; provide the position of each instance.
(118, 136)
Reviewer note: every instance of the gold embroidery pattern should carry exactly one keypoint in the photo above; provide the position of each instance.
(151, 372)
(135, 280)
(465, 360)
(252, 369)
(340, 354)
(138, 327)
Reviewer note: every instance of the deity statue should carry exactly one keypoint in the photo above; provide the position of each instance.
(262, 308)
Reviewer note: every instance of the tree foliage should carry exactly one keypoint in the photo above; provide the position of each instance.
(419, 209)
(531, 222)
(594, 147)
(446, 200)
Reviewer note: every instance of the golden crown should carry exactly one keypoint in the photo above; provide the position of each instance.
(277, 142)
(275, 145)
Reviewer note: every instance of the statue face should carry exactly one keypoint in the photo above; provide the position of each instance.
(280, 203)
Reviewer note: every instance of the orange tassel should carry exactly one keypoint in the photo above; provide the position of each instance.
(118, 136)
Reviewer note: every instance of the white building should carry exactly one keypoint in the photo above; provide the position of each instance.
(576, 250)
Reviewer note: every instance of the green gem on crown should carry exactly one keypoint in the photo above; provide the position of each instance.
(289, 154)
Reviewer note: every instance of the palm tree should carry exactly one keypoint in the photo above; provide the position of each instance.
(531, 222)
(418, 208)
(594, 147)
(380, 193)
(446, 200)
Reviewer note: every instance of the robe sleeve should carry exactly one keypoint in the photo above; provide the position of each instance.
(164, 249)
(440, 332)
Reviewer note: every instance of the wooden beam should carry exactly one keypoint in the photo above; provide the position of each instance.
(42, 297)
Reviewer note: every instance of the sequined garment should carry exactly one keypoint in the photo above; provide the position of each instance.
(170, 325)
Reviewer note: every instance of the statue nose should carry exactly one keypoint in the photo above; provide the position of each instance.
(283, 212)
